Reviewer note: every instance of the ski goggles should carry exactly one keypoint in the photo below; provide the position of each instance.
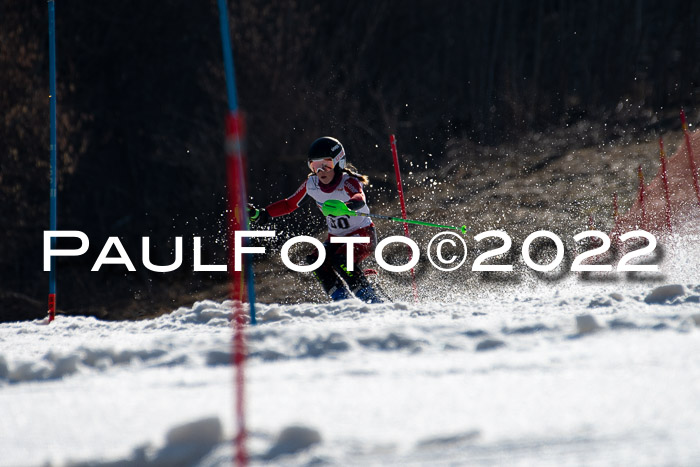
(319, 165)
(326, 163)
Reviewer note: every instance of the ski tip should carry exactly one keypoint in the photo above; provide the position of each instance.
(464, 230)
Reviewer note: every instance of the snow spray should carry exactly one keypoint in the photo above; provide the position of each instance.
(691, 159)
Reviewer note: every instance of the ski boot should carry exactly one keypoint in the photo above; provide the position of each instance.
(368, 295)
(340, 292)
(357, 281)
(331, 283)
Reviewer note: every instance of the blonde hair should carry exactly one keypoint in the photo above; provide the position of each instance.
(352, 171)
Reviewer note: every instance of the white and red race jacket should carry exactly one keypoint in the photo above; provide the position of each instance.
(344, 188)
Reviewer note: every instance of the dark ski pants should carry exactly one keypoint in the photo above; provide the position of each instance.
(334, 273)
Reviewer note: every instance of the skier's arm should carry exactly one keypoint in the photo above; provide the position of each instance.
(278, 208)
(357, 196)
(287, 205)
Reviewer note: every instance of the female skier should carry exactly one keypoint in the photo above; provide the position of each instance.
(331, 178)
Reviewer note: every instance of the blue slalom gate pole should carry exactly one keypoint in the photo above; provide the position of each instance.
(228, 57)
(53, 185)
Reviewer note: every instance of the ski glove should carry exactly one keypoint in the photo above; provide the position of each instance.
(335, 207)
(259, 216)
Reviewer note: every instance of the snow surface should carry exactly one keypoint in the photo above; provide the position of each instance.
(565, 373)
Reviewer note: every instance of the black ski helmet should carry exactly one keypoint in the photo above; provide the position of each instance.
(328, 147)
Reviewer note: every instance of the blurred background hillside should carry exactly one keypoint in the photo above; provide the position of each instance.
(477, 93)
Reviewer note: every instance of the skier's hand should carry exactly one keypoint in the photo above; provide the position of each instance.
(259, 216)
(335, 207)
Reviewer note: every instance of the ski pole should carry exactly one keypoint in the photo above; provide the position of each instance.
(462, 229)
(334, 207)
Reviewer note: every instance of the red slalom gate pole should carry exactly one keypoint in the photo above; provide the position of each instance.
(616, 216)
(236, 189)
(52, 307)
(395, 154)
(238, 220)
(593, 243)
(664, 178)
(691, 159)
(53, 186)
(640, 174)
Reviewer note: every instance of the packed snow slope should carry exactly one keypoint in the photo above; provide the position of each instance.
(540, 373)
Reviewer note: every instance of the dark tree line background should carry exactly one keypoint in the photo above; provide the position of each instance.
(141, 100)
